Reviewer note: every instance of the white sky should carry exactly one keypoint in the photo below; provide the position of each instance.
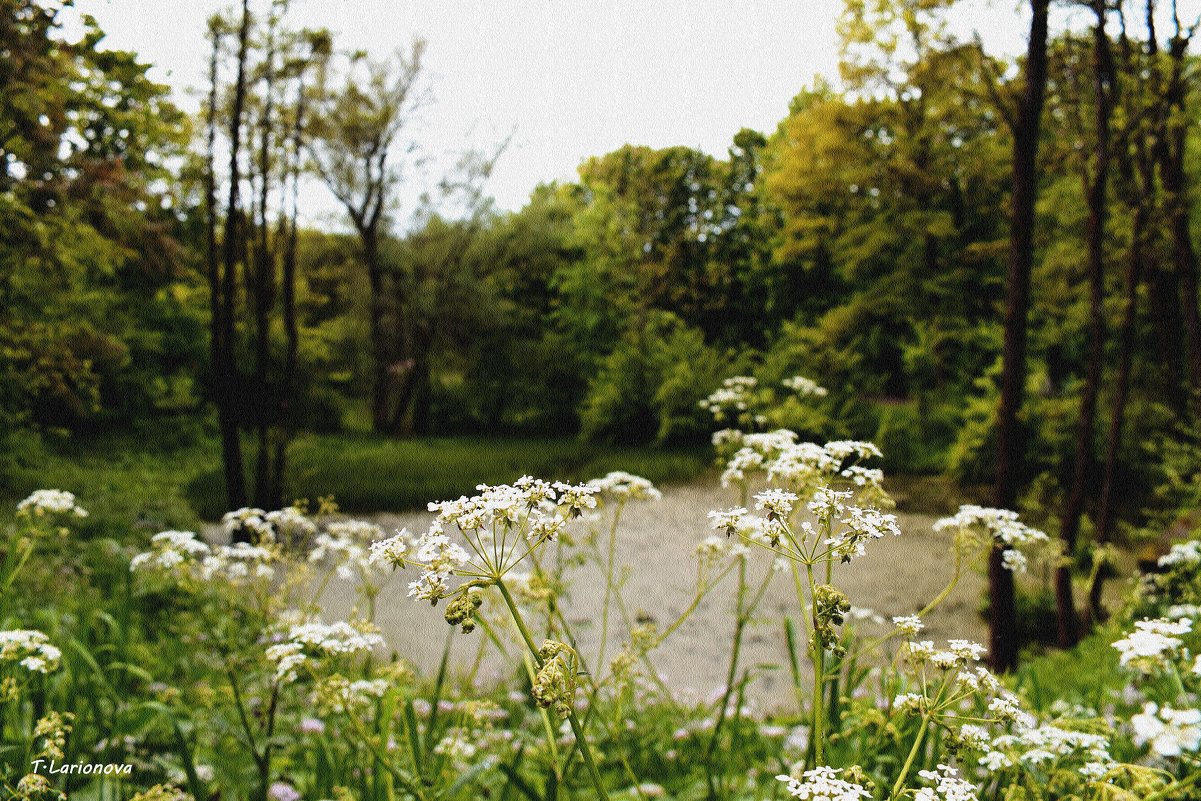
(573, 78)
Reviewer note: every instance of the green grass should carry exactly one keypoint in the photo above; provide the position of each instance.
(370, 474)
(174, 482)
(122, 481)
(1087, 674)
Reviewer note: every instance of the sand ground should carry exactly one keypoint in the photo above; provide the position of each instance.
(656, 543)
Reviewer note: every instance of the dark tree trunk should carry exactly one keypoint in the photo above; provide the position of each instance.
(287, 384)
(381, 380)
(1010, 438)
(231, 445)
(1172, 173)
(264, 294)
(1121, 389)
(212, 258)
(1096, 192)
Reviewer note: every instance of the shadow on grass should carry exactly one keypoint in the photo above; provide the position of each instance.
(369, 474)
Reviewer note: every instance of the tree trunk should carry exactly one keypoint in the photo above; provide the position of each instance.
(1096, 191)
(231, 444)
(1010, 437)
(1174, 177)
(380, 382)
(1121, 390)
(287, 382)
(264, 292)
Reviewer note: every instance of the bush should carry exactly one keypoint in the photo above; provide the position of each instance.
(648, 389)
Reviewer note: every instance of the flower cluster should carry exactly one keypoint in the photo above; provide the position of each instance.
(988, 527)
(1152, 643)
(805, 386)
(50, 502)
(344, 545)
(171, 550)
(1169, 731)
(339, 695)
(800, 465)
(1045, 746)
(239, 563)
(823, 784)
(619, 487)
(29, 648)
(313, 640)
(501, 526)
(283, 525)
(947, 786)
(861, 525)
(734, 400)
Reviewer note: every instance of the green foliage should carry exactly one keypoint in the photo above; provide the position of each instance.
(650, 387)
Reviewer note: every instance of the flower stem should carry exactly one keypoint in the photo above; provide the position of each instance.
(576, 729)
(917, 744)
(818, 733)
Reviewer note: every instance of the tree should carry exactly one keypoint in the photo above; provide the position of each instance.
(1024, 115)
(90, 250)
(1095, 178)
(356, 131)
(263, 124)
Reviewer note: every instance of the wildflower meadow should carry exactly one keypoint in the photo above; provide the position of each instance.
(600, 401)
(209, 668)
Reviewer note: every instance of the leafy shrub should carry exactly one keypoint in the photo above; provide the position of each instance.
(649, 387)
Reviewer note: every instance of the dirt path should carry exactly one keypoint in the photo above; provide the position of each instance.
(656, 540)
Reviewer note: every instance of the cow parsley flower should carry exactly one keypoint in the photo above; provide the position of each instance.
(391, 550)
(29, 648)
(343, 546)
(314, 640)
(805, 387)
(1183, 553)
(776, 502)
(239, 563)
(171, 551)
(908, 625)
(862, 525)
(727, 520)
(822, 784)
(1170, 732)
(619, 486)
(1152, 642)
(947, 786)
(45, 502)
(997, 527)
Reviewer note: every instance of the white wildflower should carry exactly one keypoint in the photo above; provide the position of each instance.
(45, 502)
(1151, 642)
(620, 486)
(29, 648)
(1169, 731)
(947, 786)
(805, 387)
(822, 784)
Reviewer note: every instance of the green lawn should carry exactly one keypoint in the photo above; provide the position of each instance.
(126, 480)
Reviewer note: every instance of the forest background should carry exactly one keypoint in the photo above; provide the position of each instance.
(989, 262)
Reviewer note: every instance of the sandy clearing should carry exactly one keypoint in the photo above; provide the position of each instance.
(656, 543)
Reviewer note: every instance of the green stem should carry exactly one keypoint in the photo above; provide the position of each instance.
(818, 732)
(1174, 787)
(576, 729)
(917, 744)
(382, 758)
(610, 566)
(942, 596)
(20, 564)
